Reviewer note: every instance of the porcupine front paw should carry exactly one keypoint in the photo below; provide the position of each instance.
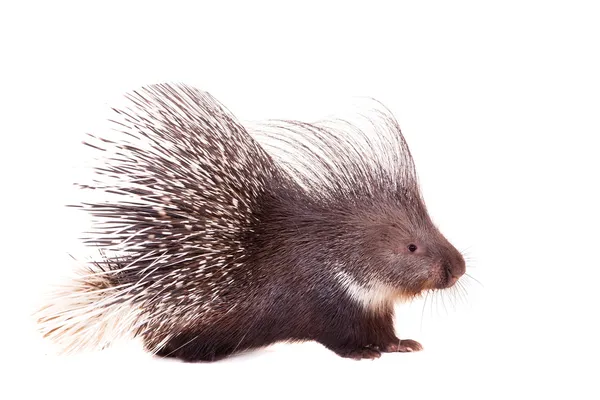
(402, 346)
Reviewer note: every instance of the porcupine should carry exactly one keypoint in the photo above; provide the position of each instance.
(222, 239)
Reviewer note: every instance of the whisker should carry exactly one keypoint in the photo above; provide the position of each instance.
(457, 297)
(423, 309)
(465, 293)
(447, 296)
(452, 297)
(464, 288)
(443, 301)
(471, 277)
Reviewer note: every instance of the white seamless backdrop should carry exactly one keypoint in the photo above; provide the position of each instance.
(499, 103)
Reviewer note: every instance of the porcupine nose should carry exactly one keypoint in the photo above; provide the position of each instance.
(454, 270)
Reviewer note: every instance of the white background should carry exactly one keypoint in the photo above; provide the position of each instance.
(500, 104)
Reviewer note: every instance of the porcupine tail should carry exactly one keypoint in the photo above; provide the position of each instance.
(90, 311)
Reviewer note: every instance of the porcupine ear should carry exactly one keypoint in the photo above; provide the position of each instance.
(360, 155)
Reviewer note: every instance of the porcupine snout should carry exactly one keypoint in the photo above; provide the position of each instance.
(454, 267)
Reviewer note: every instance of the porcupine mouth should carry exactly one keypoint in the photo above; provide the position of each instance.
(450, 279)
(441, 277)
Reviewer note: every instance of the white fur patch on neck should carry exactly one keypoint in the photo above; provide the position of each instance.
(373, 296)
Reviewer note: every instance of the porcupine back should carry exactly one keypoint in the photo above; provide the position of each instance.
(362, 155)
(186, 182)
(189, 186)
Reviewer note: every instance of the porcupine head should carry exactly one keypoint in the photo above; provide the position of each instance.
(218, 237)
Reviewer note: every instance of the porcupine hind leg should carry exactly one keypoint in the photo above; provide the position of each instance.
(196, 347)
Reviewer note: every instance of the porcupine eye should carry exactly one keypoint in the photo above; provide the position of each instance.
(412, 248)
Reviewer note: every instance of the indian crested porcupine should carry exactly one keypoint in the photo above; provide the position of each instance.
(217, 239)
